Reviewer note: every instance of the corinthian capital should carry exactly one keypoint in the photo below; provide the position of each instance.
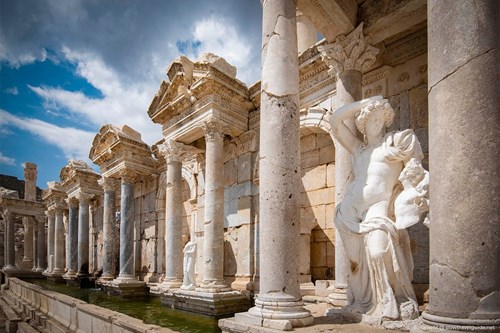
(107, 183)
(351, 52)
(214, 130)
(128, 176)
(172, 150)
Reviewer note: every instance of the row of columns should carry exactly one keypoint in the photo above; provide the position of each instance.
(37, 242)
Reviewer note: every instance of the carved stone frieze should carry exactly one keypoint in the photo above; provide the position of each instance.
(351, 52)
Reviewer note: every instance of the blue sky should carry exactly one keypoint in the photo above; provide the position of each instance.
(67, 67)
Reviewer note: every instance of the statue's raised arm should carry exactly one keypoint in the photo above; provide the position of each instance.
(340, 130)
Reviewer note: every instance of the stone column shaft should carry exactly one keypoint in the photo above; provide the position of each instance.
(28, 239)
(173, 220)
(72, 256)
(279, 170)
(109, 234)
(127, 220)
(50, 241)
(213, 275)
(34, 242)
(83, 235)
(10, 255)
(463, 154)
(58, 261)
(41, 246)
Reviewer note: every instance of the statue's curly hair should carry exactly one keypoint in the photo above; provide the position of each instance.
(365, 113)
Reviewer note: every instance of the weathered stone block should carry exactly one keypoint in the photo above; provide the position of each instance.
(307, 143)
(230, 172)
(330, 175)
(419, 109)
(245, 210)
(318, 197)
(318, 254)
(330, 254)
(309, 159)
(323, 140)
(245, 167)
(324, 235)
(314, 178)
(327, 154)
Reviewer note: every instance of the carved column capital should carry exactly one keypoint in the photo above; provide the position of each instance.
(107, 183)
(351, 52)
(84, 197)
(214, 130)
(128, 176)
(50, 212)
(72, 202)
(172, 150)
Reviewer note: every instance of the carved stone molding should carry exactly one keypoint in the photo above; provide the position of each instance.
(351, 52)
(214, 130)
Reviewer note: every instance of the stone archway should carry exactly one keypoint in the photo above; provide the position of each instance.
(318, 199)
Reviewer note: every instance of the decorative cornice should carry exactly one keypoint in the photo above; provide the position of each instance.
(351, 52)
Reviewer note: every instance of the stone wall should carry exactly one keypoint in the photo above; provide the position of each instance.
(58, 313)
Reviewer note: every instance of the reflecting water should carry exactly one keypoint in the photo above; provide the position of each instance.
(148, 309)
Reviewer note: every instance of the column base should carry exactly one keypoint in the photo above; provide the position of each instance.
(213, 287)
(277, 311)
(243, 283)
(211, 304)
(429, 323)
(307, 289)
(126, 288)
(338, 297)
(169, 284)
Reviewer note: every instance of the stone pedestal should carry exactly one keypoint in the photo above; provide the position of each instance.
(211, 304)
(109, 234)
(463, 155)
(72, 256)
(126, 288)
(279, 303)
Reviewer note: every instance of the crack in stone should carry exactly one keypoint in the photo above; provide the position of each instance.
(459, 67)
(464, 275)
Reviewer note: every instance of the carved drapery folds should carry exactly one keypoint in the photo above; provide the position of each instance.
(351, 52)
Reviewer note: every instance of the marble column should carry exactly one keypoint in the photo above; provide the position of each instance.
(213, 273)
(173, 151)
(50, 240)
(279, 303)
(83, 234)
(347, 58)
(127, 220)
(9, 251)
(34, 242)
(41, 257)
(463, 155)
(72, 256)
(108, 228)
(28, 242)
(307, 35)
(58, 261)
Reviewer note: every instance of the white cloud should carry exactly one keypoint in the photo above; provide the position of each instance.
(6, 160)
(75, 143)
(120, 104)
(218, 36)
(12, 91)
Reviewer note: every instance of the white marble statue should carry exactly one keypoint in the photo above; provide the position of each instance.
(189, 282)
(374, 213)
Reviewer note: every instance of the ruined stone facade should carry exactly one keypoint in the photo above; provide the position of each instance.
(252, 175)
